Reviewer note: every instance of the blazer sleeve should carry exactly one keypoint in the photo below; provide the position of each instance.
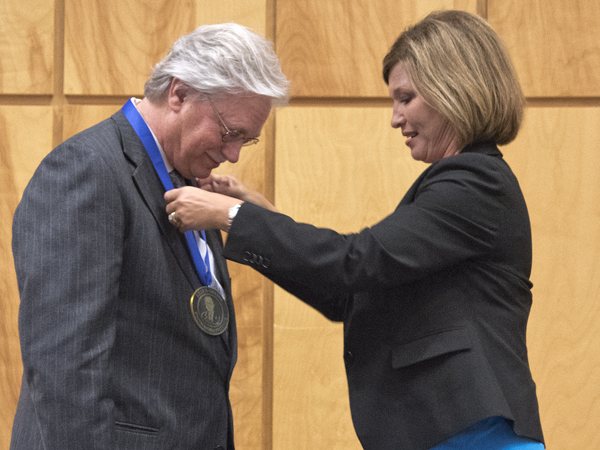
(453, 214)
(67, 239)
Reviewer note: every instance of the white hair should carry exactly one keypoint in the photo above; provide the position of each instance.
(221, 59)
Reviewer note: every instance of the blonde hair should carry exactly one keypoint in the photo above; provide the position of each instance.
(461, 68)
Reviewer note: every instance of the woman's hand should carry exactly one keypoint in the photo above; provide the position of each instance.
(190, 208)
(228, 185)
(224, 184)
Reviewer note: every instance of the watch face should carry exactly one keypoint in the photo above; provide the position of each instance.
(233, 211)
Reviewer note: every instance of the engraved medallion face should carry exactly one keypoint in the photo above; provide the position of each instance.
(210, 311)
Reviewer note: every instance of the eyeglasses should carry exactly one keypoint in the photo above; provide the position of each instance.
(232, 135)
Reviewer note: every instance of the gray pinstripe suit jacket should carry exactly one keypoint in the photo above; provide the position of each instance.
(112, 356)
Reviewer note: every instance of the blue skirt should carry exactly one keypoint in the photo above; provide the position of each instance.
(493, 433)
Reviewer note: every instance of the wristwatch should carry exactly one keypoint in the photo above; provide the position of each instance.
(232, 213)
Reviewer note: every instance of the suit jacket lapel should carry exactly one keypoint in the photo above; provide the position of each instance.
(152, 192)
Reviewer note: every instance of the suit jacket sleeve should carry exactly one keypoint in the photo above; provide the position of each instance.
(451, 214)
(67, 238)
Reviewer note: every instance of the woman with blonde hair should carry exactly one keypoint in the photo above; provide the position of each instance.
(435, 298)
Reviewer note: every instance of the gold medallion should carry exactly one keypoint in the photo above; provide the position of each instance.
(210, 311)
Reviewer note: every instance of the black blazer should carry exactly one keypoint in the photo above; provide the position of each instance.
(112, 356)
(434, 298)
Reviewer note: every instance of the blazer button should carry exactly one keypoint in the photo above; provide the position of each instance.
(247, 257)
(219, 447)
(348, 358)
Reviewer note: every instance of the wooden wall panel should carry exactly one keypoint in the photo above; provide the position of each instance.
(26, 46)
(557, 161)
(21, 152)
(77, 118)
(343, 168)
(331, 160)
(135, 36)
(250, 13)
(335, 48)
(22, 149)
(554, 44)
(311, 409)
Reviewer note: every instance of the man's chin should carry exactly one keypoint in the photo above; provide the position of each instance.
(202, 174)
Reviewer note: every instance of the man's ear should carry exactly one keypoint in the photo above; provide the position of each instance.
(178, 93)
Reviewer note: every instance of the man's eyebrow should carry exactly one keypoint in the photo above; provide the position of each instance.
(240, 130)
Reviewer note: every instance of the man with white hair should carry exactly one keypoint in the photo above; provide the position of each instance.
(118, 349)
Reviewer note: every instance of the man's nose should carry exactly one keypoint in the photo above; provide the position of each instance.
(231, 151)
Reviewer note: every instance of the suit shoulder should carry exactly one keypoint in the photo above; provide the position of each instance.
(100, 141)
(472, 159)
(477, 165)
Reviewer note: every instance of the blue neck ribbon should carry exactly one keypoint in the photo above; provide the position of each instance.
(145, 135)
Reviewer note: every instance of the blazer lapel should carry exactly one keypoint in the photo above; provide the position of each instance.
(152, 192)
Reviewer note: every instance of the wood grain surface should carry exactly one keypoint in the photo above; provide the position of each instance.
(554, 44)
(26, 46)
(335, 48)
(557, 161)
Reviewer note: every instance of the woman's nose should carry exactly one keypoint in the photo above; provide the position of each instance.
(397, 117)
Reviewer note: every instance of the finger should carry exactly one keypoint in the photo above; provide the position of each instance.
(221, 180)
(203, 181)
(171, 195)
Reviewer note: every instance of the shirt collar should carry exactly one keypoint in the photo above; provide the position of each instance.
(169, 167)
